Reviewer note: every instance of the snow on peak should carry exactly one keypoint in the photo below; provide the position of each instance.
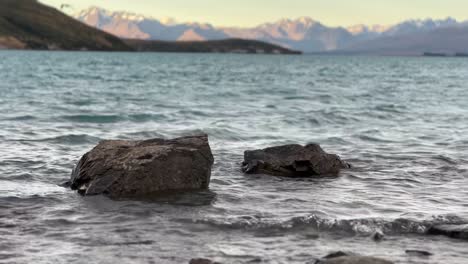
(104, 14)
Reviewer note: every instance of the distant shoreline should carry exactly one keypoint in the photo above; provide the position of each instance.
(390, 54)
(324, 54)
(235, 46)
(223, 46)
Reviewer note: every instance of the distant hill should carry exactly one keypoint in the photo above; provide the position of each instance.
(216, 46)
(304, 33)
(28, 24)
(449, 41)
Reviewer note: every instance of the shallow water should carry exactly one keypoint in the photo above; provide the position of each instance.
(402, 123)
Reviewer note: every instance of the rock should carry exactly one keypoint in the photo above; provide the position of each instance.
(378, 236)
(418, 253)
(202, 261)
(453, 231)
(343, 257)
(292, 161)
(338, 254)
(119, 168)
(353, 260)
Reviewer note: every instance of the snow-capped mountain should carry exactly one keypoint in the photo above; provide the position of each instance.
(303, 33)
(443, 40)
(364, 29)
(416, 26)
(130, 25)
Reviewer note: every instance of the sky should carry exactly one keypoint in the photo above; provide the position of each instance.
(245, 13)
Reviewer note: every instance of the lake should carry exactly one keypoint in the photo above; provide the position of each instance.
(402, 122)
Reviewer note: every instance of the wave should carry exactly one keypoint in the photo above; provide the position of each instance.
(374, 139)
(74, 139)
(334, 116)
(146, 117)
(104, 119)
(142, 135)
(363, 226)
(391, 108)
(71, 139)
(92, 118)
(22, 118)
(16, 201)
(446, 160)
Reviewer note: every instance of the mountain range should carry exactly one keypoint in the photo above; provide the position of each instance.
(304, 33)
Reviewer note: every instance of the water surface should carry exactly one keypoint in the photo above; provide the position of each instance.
(402, 123)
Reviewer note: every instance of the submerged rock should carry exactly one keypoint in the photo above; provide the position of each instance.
(418, 253)
(120, 168)
(453, 231)
(353, 260)
(343, 257)
(338, 254)
(378, 236)
(202, 261)
(293, 161)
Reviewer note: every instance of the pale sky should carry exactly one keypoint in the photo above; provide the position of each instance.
(246, 13)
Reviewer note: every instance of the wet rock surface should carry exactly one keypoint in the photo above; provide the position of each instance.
(293, 161)
(453, 231)
(119, 168)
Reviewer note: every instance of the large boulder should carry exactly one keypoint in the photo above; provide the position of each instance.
(453, 231)
(292, 161)
(120, 168)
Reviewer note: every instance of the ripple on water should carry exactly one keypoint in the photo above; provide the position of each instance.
(28, 189)
(70, 139)
(22, 118)
(98, 119)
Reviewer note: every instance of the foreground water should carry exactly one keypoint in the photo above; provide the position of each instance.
(402, 123)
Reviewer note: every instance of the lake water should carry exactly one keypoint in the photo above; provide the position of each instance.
(402, 122)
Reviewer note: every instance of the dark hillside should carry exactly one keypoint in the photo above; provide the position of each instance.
(31, 25)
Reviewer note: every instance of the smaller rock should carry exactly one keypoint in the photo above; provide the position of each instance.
(292, 161)
(453, 231)
(202, 261)
(418, 253)
(354, 260)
